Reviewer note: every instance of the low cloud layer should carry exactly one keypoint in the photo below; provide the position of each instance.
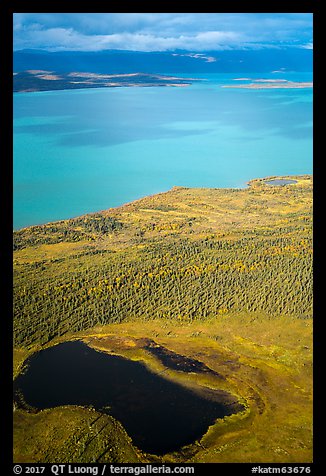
(161, 31)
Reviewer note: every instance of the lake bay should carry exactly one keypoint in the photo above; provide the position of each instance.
(80, 151)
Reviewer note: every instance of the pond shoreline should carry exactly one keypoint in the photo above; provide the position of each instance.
(72, 373)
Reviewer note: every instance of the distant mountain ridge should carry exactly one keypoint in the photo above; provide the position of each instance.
(179, 61)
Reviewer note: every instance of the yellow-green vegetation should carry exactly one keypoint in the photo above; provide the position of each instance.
(70, 435)
(223, 276)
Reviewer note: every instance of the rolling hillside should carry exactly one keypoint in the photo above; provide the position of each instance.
(220, 275)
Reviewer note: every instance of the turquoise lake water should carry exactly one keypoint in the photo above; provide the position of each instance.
(80, 151)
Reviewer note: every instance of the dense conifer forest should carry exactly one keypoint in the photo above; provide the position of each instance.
(168, 256)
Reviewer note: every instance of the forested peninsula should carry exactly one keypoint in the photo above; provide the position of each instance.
(221, 276)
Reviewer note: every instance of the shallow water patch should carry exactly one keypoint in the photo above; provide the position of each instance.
(280, 182)
(175, 361)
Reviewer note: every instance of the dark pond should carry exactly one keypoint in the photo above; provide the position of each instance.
(280, 182)
(160, 416)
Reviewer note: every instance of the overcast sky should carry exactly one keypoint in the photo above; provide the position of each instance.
(161, 31)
